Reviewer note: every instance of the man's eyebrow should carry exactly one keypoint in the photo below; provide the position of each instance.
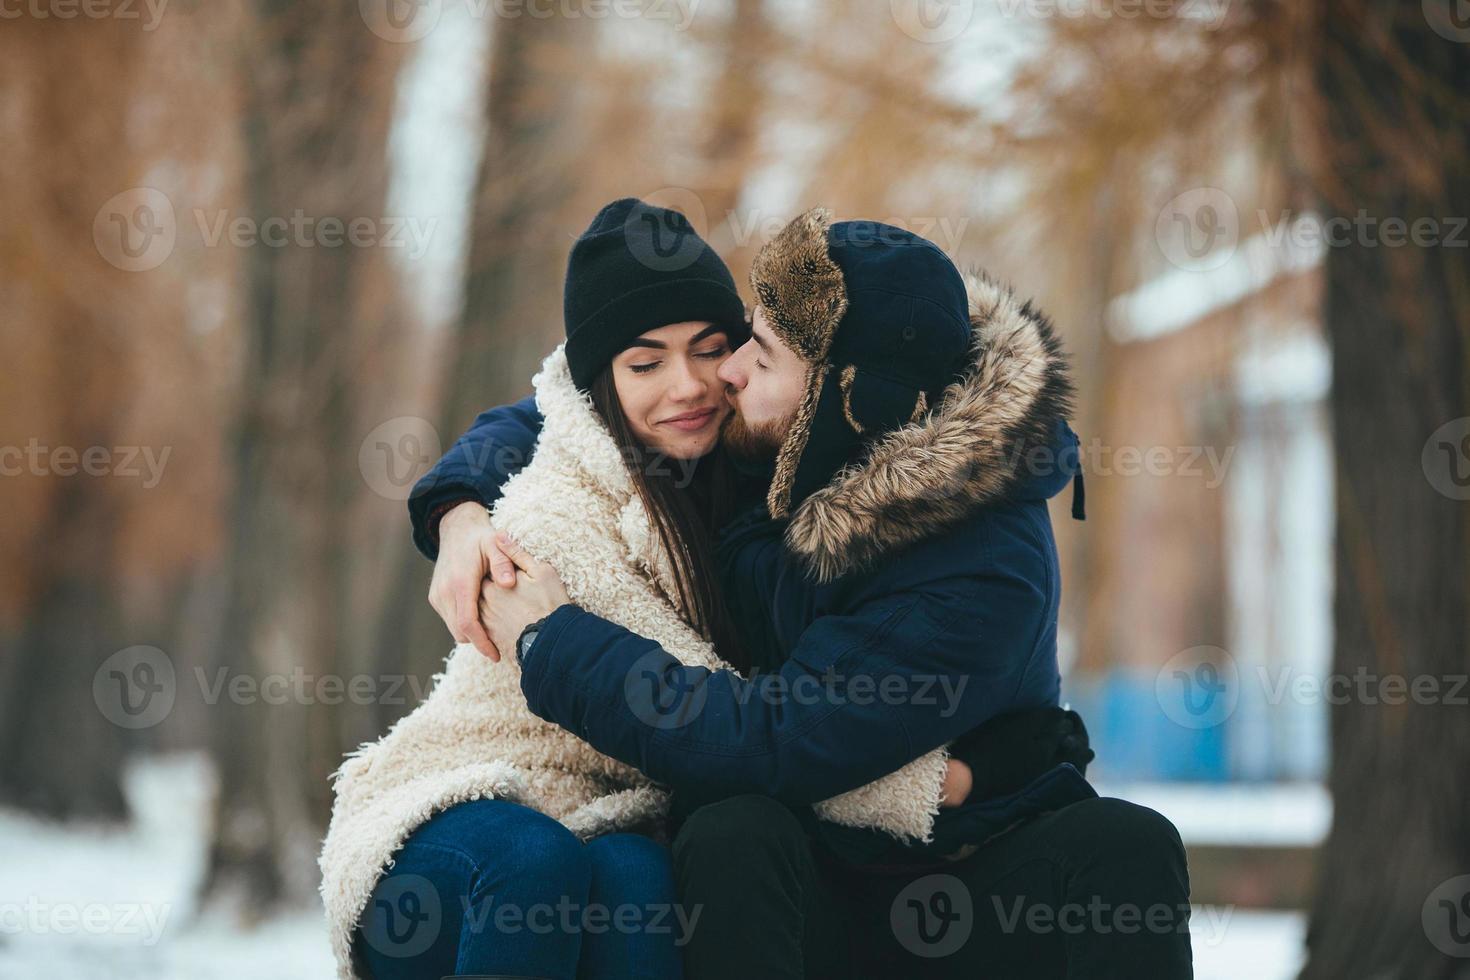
(763, 345)
(660, 345)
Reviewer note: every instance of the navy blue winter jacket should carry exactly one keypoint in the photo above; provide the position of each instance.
(902, 613)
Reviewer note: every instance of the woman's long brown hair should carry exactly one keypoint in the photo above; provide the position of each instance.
(685, 518)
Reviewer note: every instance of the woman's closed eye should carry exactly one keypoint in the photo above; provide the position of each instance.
(708, 355)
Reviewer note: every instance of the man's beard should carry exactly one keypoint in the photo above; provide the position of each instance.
(754, 443)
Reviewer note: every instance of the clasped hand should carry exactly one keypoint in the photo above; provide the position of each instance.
(537, 593)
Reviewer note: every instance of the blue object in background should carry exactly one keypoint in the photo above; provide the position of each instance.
(1134, 737)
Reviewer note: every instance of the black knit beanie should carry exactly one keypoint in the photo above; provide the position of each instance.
(638, 267)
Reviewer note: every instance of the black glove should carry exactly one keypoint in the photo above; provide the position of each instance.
(1009, 751)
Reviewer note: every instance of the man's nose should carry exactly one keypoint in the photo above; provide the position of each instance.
(730, 374)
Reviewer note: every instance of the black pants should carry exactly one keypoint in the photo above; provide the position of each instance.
(1097, 890)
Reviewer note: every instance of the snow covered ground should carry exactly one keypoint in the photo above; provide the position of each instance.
(96, 903)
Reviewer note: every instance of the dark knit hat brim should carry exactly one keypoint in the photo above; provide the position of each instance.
(607, 332)
(638, 267)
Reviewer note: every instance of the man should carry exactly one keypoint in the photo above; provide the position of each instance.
(910, 432)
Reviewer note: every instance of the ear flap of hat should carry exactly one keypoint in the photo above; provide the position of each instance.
(873, 404)
(798, 436)
(835, 421)
(800, 287)
(804, 297)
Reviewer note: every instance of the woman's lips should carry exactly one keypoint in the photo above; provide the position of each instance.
(694, 423)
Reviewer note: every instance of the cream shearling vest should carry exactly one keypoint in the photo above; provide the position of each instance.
(574, 506)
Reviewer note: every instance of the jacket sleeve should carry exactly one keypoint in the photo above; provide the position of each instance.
(497, 446)
(861, 695)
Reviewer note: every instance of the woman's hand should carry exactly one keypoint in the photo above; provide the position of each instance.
(957, 783)
(537, 593)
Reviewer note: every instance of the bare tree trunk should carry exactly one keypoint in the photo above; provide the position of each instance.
(1396, 123)
(1093, 619)
(515, 253)
(318, 98)
(60, 754)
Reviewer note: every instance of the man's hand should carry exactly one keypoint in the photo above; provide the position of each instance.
(958, 781)
(537, 593)
(468, 554)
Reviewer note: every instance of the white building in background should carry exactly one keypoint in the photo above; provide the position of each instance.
(1256, 316)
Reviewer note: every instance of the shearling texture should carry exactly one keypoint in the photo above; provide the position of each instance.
(574, 506)
(804, 297)
(966, 452)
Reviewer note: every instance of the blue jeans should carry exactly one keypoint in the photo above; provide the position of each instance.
(491, 887)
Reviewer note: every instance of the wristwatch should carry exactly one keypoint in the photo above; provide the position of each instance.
(523, 642)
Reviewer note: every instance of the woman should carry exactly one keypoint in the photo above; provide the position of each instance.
(475, 838)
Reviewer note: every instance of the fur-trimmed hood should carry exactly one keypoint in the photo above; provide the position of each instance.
(993, 429)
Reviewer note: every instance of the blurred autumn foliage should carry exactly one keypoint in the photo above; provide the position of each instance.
(252, 376)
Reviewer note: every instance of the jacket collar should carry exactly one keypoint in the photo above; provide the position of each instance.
(969, 450)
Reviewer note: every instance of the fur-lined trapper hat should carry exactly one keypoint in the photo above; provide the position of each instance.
(925, 388)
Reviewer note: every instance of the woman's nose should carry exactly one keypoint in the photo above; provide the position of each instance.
(690, 384)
